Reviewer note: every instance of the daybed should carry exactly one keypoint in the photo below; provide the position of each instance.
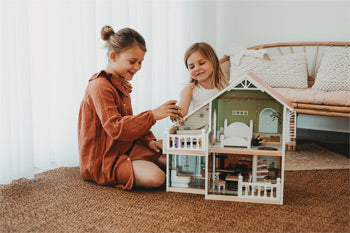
(237, 134)
(307, 100)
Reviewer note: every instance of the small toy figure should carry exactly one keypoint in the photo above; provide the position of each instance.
(267, 180)
(257, 140)
(177, 120)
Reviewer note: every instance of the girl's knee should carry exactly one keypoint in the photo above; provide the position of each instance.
(157, 178)
(148, 174)
(161, 178)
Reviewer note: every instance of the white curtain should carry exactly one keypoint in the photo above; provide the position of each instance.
(50, 48)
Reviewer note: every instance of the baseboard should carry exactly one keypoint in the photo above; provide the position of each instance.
(338, 142)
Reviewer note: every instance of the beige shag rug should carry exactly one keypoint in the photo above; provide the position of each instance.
(314, 157)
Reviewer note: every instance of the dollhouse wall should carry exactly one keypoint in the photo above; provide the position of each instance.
(243, 106)
(190, 164)
(198, 120)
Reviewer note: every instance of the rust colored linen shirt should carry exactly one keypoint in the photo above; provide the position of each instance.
(109, 135)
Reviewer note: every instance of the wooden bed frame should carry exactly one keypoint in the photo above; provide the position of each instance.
(304, 108)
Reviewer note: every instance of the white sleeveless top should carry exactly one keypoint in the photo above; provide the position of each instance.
(201, 95)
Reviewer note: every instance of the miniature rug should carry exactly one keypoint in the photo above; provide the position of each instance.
(311, 156)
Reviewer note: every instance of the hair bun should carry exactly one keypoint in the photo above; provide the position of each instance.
(106, 32)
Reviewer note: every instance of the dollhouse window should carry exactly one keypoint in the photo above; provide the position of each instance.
(268, 123)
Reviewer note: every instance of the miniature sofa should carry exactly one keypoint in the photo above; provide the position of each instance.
(318, 96)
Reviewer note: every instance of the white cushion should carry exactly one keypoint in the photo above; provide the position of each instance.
(281, 71)
(334, 71)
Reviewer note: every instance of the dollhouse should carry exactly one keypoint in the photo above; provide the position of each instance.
(233, 146)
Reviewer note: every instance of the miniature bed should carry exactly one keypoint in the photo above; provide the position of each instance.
(237, 134)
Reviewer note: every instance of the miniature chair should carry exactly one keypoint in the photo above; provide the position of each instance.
(218, 184)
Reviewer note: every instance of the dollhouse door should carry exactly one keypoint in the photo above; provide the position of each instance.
(267, 123)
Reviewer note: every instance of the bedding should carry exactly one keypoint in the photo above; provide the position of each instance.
(334, 71)
(289, 70)
(314, 96)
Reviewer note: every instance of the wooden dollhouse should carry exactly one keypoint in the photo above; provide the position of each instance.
(233, 146)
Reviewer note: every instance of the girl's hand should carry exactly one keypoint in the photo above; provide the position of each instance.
(167, 109)
(156, 146)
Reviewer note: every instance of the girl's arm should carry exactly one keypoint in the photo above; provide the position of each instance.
(102, 99)
(121, 127)
(186, 98)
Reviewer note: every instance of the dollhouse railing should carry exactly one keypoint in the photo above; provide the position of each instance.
(259, 190)
(185, 142)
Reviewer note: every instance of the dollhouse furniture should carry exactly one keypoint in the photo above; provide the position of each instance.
(218, 184)
(232, 173)
(309, 100)
(237, 134)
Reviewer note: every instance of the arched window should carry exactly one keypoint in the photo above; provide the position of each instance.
(268, 123)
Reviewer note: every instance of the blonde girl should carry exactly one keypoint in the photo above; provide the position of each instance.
(207, 78)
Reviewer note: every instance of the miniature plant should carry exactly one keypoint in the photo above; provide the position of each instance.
(276, 115)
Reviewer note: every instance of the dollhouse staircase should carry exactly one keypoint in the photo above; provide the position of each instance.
(261, 171)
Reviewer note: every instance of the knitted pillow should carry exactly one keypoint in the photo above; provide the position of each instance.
(281, 71)
(334, 71)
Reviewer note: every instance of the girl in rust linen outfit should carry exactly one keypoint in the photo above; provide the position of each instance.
(117, 148)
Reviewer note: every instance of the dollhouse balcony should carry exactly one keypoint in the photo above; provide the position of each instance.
(185, 143)
(259, 190)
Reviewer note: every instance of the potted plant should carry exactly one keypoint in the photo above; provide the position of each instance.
(273, 171)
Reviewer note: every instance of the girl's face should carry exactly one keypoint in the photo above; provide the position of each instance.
(199, 67)
(127, 63)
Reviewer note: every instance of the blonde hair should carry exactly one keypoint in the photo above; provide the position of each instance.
(122, 39)
(219, 80)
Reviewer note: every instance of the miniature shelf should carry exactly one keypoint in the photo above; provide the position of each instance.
(253, 151)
